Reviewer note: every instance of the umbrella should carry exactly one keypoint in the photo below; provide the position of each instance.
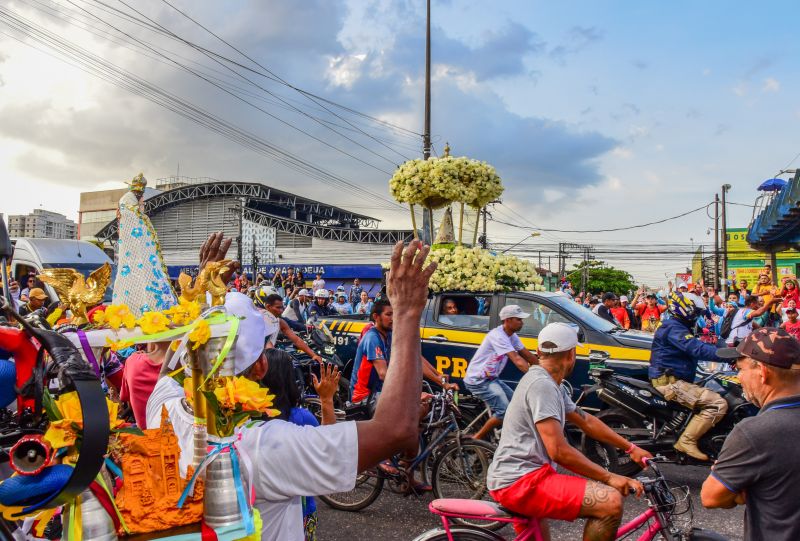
(772, 185)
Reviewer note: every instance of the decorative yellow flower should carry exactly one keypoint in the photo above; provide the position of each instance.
(64, 432)
(118, 315)
(184, 312)
(200, 334)
(117, 345)
(153, 322)
(99, 318)
(237, 395)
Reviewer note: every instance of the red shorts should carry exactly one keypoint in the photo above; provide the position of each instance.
(544, 493)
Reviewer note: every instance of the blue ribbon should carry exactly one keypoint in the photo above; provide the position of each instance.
(217, 448)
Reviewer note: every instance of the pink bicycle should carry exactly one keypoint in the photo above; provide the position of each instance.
(664, 503)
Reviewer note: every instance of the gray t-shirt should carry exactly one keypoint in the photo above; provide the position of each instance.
(762, 457)
(521, 450)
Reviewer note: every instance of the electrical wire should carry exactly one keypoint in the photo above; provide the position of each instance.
(610, 229)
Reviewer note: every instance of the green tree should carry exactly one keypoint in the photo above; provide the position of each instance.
(602, 278)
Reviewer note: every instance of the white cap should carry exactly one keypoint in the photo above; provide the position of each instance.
(340, 288)
(269, 290)
(302, 292)
(252, 331)
(322, 294)
(564, 336)
(512, 310)
(682, 284)
(623, 298)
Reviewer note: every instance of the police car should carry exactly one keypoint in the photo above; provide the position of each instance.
(455, 322)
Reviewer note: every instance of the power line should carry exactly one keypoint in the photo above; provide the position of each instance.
(611, 229)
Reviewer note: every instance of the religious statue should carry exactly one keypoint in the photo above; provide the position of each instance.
(142, 282)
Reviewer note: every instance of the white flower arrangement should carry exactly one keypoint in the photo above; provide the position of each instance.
(437, 182)
(475, 269)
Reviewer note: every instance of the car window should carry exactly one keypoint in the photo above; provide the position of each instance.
(540, 315)
(465, 311)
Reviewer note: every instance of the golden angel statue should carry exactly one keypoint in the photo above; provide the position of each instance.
(78, 293)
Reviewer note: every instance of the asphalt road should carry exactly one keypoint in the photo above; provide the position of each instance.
(394, 517)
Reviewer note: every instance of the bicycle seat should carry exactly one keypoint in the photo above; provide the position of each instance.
(471, 508)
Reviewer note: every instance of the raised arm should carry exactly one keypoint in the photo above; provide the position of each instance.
(394, 425)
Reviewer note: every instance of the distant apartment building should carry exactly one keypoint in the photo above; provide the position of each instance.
(42, 224)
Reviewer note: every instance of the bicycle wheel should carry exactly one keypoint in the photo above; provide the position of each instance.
(460, 472)
(368, 487)
(460, 533)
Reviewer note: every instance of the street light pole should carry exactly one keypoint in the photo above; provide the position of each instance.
(427, 214)
(716, 242)
(534, 234)
(724, 233)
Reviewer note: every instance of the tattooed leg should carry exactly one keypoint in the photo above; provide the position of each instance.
(602, 506)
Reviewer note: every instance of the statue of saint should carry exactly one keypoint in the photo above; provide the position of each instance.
(142, 282)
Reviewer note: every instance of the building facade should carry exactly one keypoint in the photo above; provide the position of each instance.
(43, 224)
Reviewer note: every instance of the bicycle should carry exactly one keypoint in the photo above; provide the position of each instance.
(458, 465)
(665, 502)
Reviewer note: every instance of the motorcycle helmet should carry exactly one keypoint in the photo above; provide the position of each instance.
(260, 297)
(681, 306)
(321, 294)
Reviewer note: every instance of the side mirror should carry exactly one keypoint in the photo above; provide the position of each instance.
(6, 249)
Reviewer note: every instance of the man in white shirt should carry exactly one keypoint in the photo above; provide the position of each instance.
(289, 464)
(483, 373)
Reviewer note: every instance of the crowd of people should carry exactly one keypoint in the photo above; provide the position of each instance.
(728, 319)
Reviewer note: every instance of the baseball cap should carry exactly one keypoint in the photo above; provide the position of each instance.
(512, 310)
(564, 336)
(792, 310)
(768, 345)
(339, 288)
(623, 298)
(609, 297)
(650, 296)
(682, 284)
(37, 293)
(322, 294)
(302, 292)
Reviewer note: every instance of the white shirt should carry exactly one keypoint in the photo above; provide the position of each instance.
(492, 355)
(739, 329)
(273, 326)
(285, 457)
(316, 285)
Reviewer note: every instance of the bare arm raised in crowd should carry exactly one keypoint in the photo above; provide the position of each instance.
(394, 425)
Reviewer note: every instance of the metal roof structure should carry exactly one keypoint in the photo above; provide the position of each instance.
(274, 208)
(777, 226)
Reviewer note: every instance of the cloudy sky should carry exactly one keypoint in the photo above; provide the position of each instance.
(597, 115)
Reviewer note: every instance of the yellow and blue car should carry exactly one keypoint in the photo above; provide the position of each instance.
(450, 339)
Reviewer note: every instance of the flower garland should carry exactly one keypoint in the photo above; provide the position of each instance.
(234, 400)
(474, 269)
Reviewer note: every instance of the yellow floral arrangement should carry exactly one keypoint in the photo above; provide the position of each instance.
(474, 269)
(66, 419)
(234, 400)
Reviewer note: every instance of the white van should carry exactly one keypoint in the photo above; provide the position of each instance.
(32, 255)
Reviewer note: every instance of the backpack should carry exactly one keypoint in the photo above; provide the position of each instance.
(727, 323)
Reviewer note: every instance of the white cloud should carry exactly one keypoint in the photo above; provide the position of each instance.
(771, 85)
(622, 152)
(550, 195)
(345, 70)
(740, 89)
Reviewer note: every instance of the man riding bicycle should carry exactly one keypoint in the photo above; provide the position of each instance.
(522, 475)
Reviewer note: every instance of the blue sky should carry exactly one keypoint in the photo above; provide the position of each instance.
(596, 114)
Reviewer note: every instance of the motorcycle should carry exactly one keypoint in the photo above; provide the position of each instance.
(639, 413)
(320, 340)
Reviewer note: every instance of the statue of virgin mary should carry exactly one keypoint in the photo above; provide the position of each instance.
(142, 282)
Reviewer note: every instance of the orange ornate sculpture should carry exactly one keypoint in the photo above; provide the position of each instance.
(152, 483)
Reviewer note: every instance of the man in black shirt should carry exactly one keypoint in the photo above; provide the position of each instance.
(759, 465)
(604, 310)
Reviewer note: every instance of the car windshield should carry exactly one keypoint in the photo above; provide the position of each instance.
(583, 314)
(86, 269)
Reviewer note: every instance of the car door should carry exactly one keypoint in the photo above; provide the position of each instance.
(450, 338)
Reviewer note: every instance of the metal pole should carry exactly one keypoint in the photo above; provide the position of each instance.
(427, 216)
(485, 239)
(540, 259)
(716, 242)
(724, 233)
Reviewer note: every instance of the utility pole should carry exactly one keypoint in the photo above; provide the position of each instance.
(585, 273)
(427, 215)
(724, 233)
(239, 238)
(716, 242)
(254, 259)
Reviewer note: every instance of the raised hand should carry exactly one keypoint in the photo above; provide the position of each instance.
(407, 281)
(328, 382)
(214, 249)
